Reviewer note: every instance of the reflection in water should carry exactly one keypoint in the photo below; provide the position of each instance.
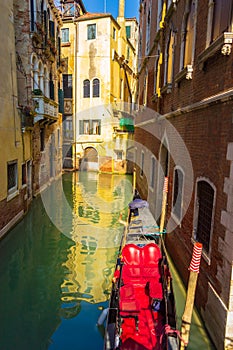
(52, 284)
(97, 201)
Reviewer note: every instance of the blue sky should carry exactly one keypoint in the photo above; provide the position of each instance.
(131, 7)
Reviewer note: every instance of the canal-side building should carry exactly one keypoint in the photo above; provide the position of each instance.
(37, 44)
(104, 89)
(184, 131)
(71, 10)
(12, 161)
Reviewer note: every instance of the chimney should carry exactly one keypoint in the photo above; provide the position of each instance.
(121, 12)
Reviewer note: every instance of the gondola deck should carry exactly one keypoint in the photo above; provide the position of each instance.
(142, 309)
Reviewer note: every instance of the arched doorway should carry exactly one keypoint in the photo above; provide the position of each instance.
(90, 160)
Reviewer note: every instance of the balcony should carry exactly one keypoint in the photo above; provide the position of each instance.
(45, 109)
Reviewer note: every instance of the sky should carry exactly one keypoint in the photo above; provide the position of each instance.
(131, 7)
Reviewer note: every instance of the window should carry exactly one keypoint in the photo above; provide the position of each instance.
(96, 127)
(189, 35)
(68, 128)
(170, 59)
(96, 88)
(58, 138)
(51, 86)
(178, 193)
(67, 85)
(114, 33)
(204, 213)
(86, 88)
(222, 17)
(142, 164)
(65, 35)
(91, 31)
(152, 176)
(128, 31)
(128, 52)
(86, 127)
(148, 30)
(42, 139)
(24, 174)
(51, 29)
(32, 15)
(119, 154)
(90, 127)
(12, 177)
(145, 88)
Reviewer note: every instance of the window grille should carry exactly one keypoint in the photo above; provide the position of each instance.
(205, 201)
(12, 176)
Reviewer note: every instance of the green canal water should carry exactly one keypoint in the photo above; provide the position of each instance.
(57, 264)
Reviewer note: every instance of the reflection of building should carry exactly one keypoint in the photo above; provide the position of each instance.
(185, 67)
(98, 200)
(105, 75)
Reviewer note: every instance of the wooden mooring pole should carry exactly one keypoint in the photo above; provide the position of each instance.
(164, 203)
(187, 315)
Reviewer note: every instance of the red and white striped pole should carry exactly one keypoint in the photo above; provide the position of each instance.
(187, 315)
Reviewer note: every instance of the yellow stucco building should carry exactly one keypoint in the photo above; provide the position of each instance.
(102, 63)
(11, 143)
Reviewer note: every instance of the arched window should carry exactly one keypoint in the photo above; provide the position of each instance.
(34, 73)
(204, 213)
(41, 77)
(96, 88)
(46, 82)
(86, 88)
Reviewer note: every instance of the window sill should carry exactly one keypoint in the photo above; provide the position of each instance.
(176, 219)
(66, 44)
(12, 195)
(224, 42)
(167, 88)
(186, 73)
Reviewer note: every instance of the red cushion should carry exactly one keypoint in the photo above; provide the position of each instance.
(131, 254)
(151, 254)
(155, 289)
(127, 292)
(129, 305)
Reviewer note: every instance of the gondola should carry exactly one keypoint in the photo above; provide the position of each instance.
(141, 313)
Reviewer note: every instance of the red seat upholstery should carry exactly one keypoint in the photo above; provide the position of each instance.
(127, 292)
(131, 254)
(155, 289)
(151, 254)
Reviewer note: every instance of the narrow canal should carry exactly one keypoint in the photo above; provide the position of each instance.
(57, 264)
